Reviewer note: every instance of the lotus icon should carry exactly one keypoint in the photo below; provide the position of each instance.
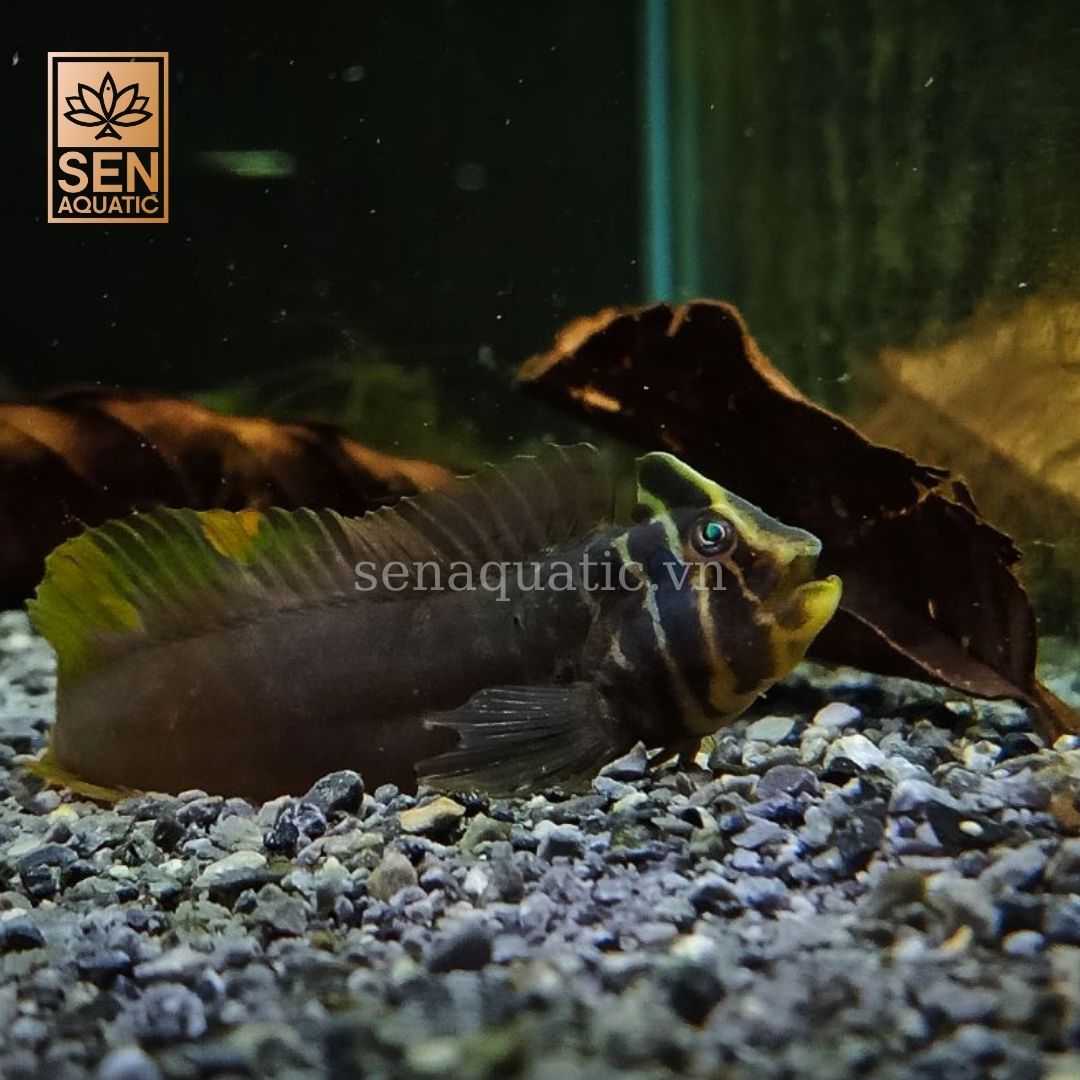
(107, 108)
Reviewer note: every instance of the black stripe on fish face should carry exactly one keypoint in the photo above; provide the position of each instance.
(671, 600)
(676, 595)
(670, 486)
(744, 639)
(720, 636)
(643, 665)
(760, 571)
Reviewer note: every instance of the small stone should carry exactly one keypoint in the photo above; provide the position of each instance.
(437, 817)
(898, 888)
(339, 791)
(981, 756)
(916, 795)
(484, 830)
(611, 790)
(792, 780)
(771, 729)
(466, 948)
(630, 767)
(202, 812)
(176, 965)
(692, 989)
(19, 933)
(763, 893)
(653, 934)
(858, 838)
(102, 966)
(505, 880)
(394, 873)
(1063, 920)
(964, 903)
(567, 841)
(535, 912)
(167, 1013)
(285, 915)
(1063, 873)
(96, 831)
(836, 716)
(1015, 868)
(128, 1063)
(45, 855)
(710, 892)
(237, 834)
(1023, 943)
(168, 832)
(240, 870)
(759, 833)
(24, 734)
(857, 749)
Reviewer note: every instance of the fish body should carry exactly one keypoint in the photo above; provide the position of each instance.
(239, 653)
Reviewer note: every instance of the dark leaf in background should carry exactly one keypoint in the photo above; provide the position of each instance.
(929, 590)
(82, 457)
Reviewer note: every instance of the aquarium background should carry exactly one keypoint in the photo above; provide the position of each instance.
(378, 211)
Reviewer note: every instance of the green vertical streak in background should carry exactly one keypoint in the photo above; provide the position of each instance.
(686, 101)
(659, 269)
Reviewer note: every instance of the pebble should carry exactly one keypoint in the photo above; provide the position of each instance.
(771, 729)
(128, 1063)
(483, 830)
(280, 913)
(438, 817)
(888, 889)
(167, 1013)
(836, 716)
(179, 965)
(556, 841)
(916, 795)
(1023, 943)
(857, 749)
(790, 780)
(630, 767)
(1062, 920)
(464, 948)
(1063, 873)
(340, 791)
(239, 870)
(394, 873)
(758, 833)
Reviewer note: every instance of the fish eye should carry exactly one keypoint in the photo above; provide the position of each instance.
(713, 535)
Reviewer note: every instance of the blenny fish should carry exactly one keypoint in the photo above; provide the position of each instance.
(252, 652)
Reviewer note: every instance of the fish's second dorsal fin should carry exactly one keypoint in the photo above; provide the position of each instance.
(170, 574)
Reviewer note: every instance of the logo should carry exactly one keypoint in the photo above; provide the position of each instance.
(108, 137)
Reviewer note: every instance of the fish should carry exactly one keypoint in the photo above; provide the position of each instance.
(252, 652)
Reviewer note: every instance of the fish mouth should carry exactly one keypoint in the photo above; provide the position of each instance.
(812, 604)
(804, 604)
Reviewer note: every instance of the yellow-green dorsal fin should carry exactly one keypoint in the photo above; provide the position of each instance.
(170, 574)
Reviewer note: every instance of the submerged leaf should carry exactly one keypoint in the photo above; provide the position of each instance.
(81, 458)
(929, 588)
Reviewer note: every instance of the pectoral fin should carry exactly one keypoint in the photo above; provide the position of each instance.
(519, 739)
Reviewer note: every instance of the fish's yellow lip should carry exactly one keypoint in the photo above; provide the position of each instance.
(816, 602)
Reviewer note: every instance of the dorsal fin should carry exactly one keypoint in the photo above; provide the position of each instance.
(170, 574)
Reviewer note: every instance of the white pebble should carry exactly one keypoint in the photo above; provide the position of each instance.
(836, 715)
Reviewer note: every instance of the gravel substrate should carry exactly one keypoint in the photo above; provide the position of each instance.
(871, 877)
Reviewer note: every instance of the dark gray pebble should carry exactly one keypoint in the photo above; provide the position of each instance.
(339, 791)
(19, 933)
(466, 948)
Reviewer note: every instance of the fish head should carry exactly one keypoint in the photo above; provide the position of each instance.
(728, 593)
